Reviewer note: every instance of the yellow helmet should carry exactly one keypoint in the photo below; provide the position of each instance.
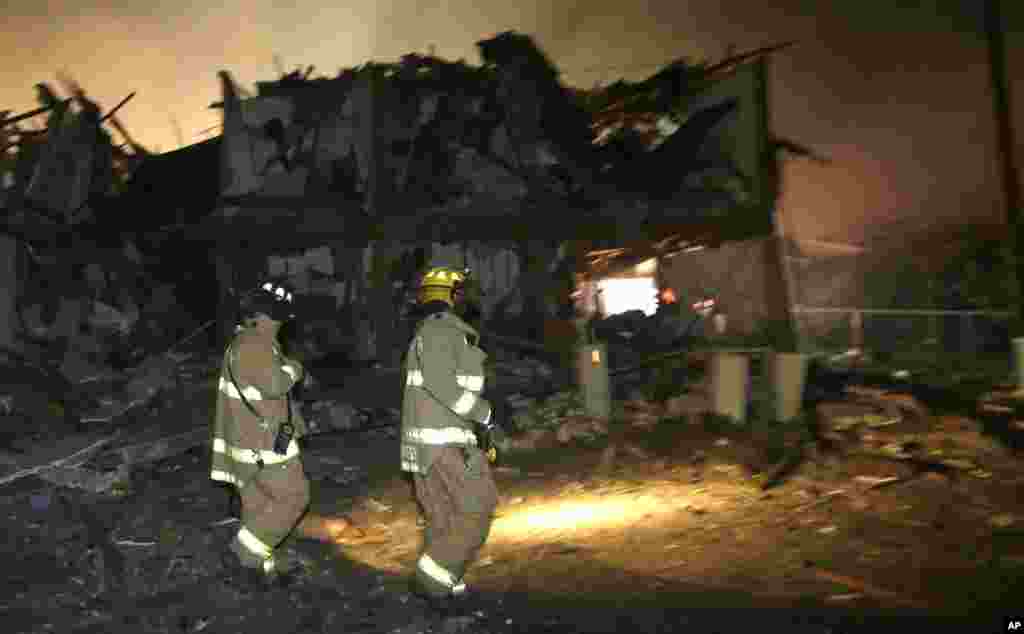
(440, 283)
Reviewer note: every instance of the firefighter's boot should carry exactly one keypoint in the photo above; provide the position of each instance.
(453, 603)
(251, 571)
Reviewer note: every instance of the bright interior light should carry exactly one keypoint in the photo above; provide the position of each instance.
(647, 267)
(635, 293)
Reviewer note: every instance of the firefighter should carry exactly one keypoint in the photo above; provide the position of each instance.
(255, 434)
(446, 429)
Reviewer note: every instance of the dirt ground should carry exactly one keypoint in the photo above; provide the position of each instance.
(648, 530)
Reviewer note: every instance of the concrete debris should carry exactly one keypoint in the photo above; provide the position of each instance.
(688, 406)
(892, 405)
(947, 445)
(90, 480)
(149, 379)
(67, 453)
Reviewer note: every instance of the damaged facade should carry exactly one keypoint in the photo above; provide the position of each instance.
(500, 167)
(349, 185)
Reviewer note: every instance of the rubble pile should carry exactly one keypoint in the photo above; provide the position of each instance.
(872, 423)
(527, 375)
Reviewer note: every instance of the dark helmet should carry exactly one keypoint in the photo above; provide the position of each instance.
(270, 298)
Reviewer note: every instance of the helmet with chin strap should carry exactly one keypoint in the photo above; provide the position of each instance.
(271, 298)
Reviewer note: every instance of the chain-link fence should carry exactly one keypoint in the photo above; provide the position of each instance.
(896, 331)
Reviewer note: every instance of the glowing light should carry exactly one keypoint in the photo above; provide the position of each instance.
(586, 513)
(337, 530)
(647, 267)
(567, 515)
(576, 513)
(624, 294)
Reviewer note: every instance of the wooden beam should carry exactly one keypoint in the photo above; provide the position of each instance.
(120, 105)
(32, 113)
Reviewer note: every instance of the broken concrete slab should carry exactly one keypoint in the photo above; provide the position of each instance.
(153, 376)
(68, 452)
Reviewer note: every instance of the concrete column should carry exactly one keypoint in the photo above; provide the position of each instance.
(787, 373)
(729, 373)
(594, 382)
(856, 330)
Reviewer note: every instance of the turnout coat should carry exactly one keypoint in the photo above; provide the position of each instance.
(243, 443)
(441, 404)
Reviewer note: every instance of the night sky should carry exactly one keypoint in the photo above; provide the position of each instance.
(896, 92)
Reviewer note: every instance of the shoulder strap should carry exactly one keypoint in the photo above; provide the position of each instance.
(245, 401)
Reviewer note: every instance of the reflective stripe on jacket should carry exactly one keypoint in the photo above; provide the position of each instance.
(240, 440)
(444, 375)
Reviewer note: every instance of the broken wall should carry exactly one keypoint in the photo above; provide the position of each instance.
(823, 282)
(733, 274)
(315, 272)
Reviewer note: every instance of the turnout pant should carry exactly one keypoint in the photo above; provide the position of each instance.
(273, 502)
(459, 497)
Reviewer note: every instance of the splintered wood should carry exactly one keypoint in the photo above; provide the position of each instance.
(68, 453)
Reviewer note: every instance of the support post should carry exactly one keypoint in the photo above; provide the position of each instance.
(787, 373)
(594, 382)
(729, 374)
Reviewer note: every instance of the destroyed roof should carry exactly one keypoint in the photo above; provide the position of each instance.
(477, 152)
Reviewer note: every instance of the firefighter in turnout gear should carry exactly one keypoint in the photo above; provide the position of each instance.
(444, 424)
(256, 431)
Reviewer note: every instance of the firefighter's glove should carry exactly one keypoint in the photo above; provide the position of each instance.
(283, 438)
(489, 438)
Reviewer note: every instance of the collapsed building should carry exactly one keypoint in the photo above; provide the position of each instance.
(566, 204)
(349, 184)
